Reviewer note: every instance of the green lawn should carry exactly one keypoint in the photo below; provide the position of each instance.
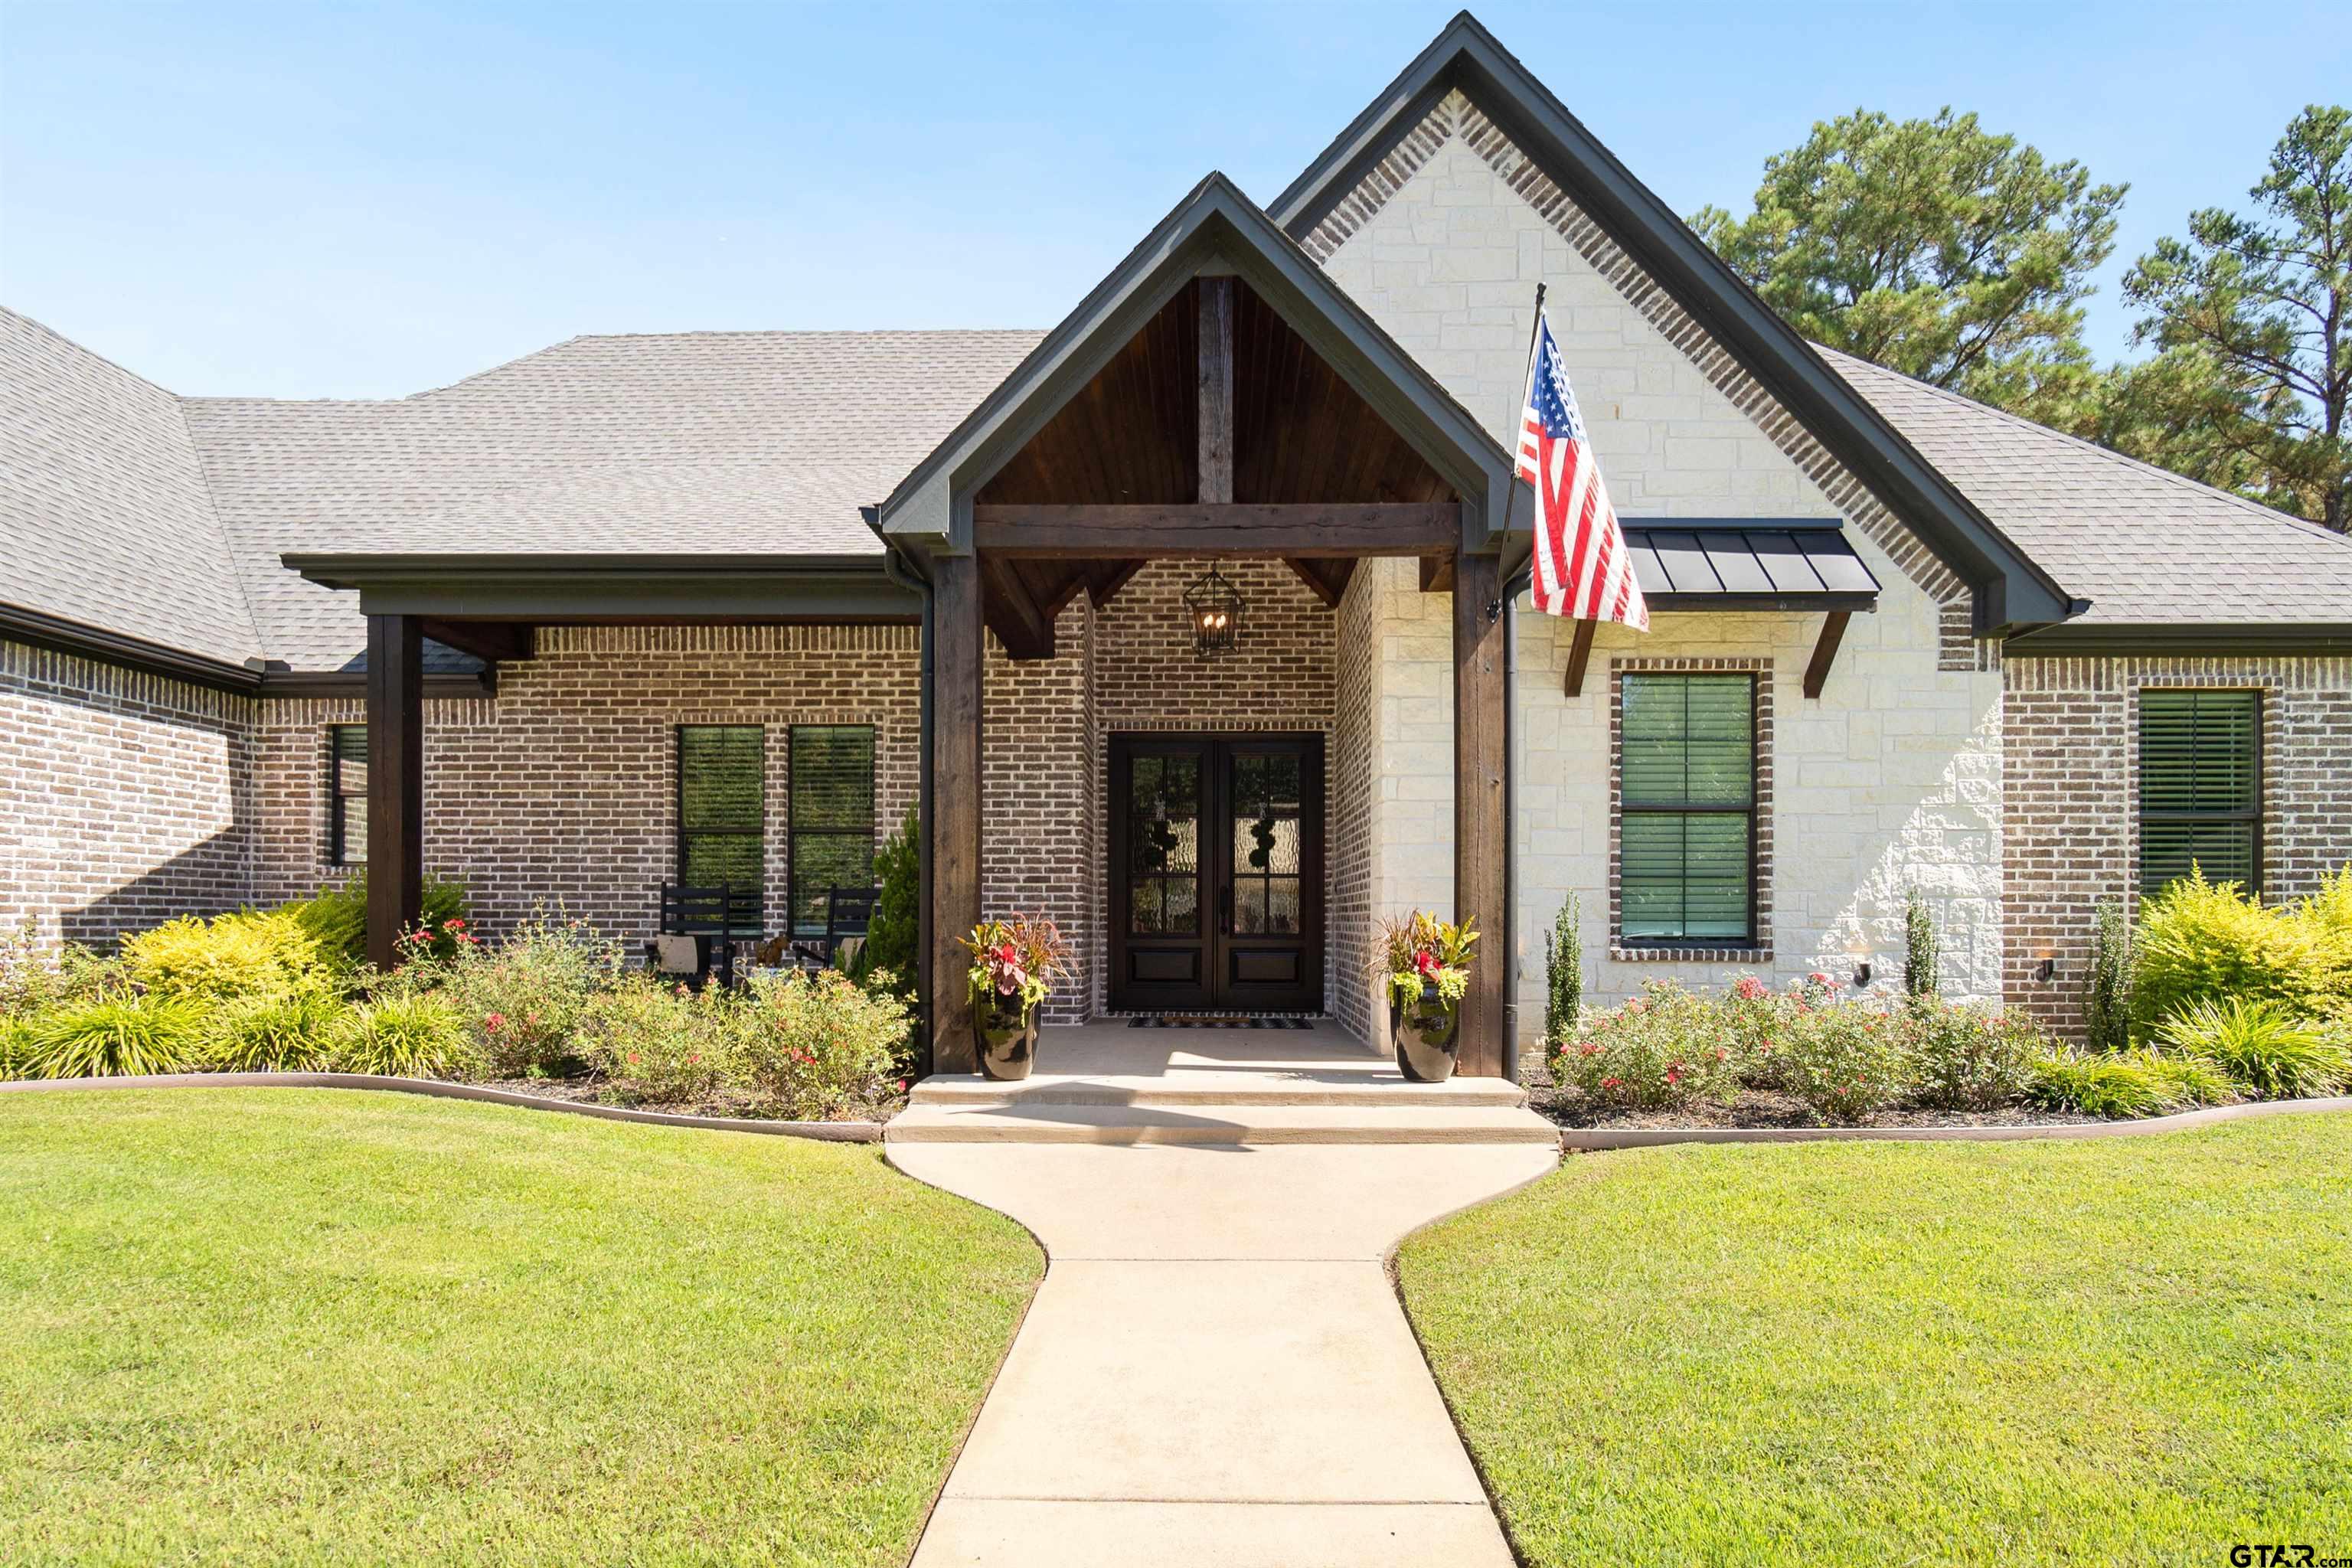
(2122, 1351)
(277, 1325)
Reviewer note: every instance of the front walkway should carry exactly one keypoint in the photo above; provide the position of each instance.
(1215, 1369)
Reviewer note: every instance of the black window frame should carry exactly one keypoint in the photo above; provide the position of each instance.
(2252, 815)
(685, 834)
(339, 837)
(795, 835)
(1628, 807)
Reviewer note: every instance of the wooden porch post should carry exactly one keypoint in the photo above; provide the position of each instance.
(1478, 820)
(957, 655)
(395, 784)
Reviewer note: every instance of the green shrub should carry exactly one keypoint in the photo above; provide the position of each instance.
(2200, 940)
(336, 915)
(2128, 1084)
(288, 1033)
(2108, 990)
(399, 1033)
(16, 1045)
(1966, 1057)
(522, 999)
(1666, 1048)
(2262, 1047)
(656, 1044)
(1918, 946)
(1564, 971)
(247, 953)
(1843, 1059)
(894, 936)
(815, 1046)
(113, 1037)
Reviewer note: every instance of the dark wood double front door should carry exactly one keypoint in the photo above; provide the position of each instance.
(1216, 872)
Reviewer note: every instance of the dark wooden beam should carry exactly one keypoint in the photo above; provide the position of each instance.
(395, 783)
(1019, 622)
(958, 641)
(1215, 467)
(495, 642)
(1327, 578)
(1308, 529)
(1437, 573)
(1817, 672)
(1105, 581)
(1580, 654)
(1479, 825)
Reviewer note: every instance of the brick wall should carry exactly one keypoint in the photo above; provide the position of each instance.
(125, 799)
(562, 790)
(2072, 796)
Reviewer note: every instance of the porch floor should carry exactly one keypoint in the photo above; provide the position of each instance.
(1104, 1081)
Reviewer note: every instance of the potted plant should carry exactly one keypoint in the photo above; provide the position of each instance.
(1014, 963)
(1426, 961)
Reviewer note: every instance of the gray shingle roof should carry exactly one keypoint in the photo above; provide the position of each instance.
(163, 518)
(2145, 547)
(104, 515)
(716, 441)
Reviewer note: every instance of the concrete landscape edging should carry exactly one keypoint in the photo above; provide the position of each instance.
(1593, 1139)
(822, 1131)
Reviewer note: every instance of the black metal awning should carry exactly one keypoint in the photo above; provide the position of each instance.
(1724, 564)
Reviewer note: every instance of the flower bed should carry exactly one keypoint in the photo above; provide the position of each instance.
(1753, 1056)
(551, 1010)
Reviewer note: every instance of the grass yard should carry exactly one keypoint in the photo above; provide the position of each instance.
(2126, 1351)
(276, 1325)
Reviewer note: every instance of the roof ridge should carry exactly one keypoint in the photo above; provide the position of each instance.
(237, 584)
(2268, 513)
(82, 348)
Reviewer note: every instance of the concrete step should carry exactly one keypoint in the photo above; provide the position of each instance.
(1238, 1124)
(1385, 1089)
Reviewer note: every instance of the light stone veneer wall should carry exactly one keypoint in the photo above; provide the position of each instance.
(1891, 779)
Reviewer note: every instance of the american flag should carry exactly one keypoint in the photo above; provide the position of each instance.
(1582, 569)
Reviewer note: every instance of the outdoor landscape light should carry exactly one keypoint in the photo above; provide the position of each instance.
(1215, 607)
(1862, 974)
(2046, 971)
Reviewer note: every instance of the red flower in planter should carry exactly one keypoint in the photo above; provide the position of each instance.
(494, 1023)
(1590, 1050)
(1817, 978)
(1721, 1054)
(1612, 1082)
(1636, 1006)
(1749, 989)
(1674, 1073)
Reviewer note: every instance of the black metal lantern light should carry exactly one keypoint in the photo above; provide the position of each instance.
(1215, 607)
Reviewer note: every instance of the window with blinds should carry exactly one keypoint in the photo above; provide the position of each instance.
(347, 784)
(2201, 787)
(832, 808)
(722, 796)
(1686, 818)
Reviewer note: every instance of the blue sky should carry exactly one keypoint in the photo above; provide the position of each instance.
(308, 201)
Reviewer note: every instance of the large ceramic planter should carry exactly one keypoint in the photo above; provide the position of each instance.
(1006, 1037)
(1426, 1036)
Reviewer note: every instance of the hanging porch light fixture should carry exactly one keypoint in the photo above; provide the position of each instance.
(1215, 607)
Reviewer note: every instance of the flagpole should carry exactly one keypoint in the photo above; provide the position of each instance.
(1511, 748)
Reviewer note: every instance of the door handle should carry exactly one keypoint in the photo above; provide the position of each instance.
(1226, 909)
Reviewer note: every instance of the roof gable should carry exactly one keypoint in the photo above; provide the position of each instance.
(1214, 227)
(1377, 151)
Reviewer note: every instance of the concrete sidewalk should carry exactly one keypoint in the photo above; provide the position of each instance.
(1216, 1372)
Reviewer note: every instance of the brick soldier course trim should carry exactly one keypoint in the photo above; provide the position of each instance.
(1621, 950)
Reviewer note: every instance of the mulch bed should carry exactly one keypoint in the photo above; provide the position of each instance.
(1764, 1107)
(596, 1091)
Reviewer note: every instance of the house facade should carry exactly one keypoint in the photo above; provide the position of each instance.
(726, 607)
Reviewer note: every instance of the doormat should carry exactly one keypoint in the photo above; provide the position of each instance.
(1196, 1021)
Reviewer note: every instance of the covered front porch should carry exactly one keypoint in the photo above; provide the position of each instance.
(1216, 407)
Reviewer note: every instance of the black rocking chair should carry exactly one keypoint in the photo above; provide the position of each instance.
(716, 918)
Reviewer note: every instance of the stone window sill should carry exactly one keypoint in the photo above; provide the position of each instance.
(1621, 953)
